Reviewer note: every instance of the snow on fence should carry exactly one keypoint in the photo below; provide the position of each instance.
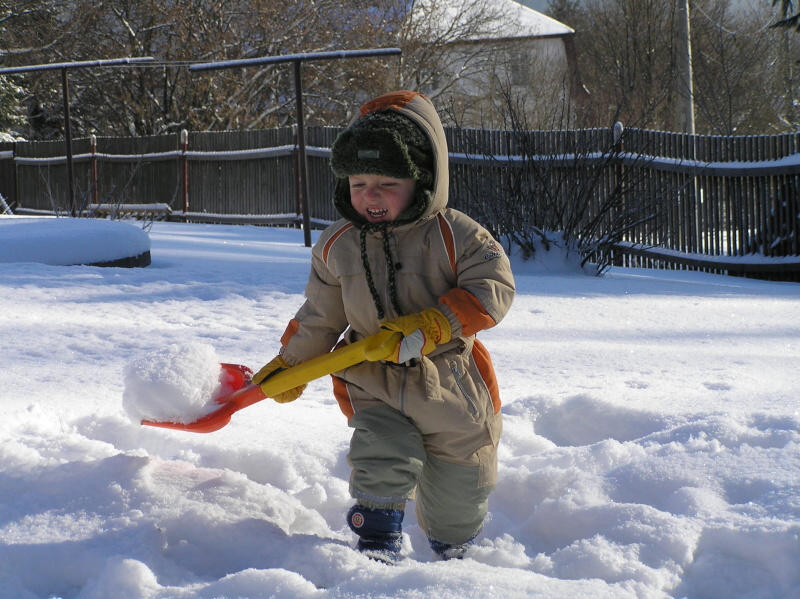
(728, 196)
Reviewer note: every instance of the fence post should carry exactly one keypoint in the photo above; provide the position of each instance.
(298, 208)
(17, 197)
(10, 187)
(184, 162)
(305, 201)
(617, 131)
(73, 208)
(95, 192)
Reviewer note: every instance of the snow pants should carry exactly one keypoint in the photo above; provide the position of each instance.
(449, 474)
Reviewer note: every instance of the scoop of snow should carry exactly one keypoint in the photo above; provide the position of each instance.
(178, 383)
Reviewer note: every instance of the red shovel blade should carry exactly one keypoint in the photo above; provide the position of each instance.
(234, 377)
(239, 394)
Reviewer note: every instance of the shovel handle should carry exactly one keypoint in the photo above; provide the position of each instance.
(370, 349)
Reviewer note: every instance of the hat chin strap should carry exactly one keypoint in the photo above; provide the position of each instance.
(387, 254)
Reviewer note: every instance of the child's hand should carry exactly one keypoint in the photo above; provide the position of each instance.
(273, 366)
(422, 332)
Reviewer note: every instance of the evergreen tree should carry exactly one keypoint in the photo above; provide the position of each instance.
(12, 118)
(11, 94)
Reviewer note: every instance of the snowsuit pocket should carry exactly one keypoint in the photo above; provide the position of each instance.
(463, 381)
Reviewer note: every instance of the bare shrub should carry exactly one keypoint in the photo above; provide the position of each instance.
(579, 186)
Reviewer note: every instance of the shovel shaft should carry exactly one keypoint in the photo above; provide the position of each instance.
(373, 348)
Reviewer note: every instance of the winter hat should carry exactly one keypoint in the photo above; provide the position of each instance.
(384, 143)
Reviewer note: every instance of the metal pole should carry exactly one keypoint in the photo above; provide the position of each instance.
(685, 121)
(686, 91)
(301, 144)
(68, 141)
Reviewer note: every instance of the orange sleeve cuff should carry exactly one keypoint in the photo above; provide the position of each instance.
(291, 329)
(469, 311)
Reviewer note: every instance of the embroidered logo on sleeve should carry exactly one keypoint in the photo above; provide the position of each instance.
(493, 250)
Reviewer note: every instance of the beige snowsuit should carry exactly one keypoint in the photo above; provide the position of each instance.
(432, 424)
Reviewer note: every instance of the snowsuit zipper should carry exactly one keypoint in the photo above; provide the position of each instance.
(471, 403)
(403, 393)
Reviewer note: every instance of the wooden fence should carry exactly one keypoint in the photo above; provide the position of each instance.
(719, 197)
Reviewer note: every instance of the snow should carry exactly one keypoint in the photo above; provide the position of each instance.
(65, 241)
(651, 440)
(176, 383)
(778, 166)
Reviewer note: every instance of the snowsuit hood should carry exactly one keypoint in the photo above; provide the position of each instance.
(431, 193)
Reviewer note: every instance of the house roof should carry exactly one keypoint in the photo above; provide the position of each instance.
(502, 19)
(532, 23)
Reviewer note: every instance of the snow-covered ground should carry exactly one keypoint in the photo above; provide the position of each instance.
(651, 445)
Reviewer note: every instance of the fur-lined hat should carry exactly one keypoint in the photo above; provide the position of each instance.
(384, 143)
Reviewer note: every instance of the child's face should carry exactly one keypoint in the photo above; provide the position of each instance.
(379, 198)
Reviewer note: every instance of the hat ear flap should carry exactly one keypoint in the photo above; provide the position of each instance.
(422, 199)
(341, 201)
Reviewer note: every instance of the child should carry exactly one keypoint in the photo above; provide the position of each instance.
(428, 420)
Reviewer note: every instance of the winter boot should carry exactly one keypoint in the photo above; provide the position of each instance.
(446, 551)
(379, 532)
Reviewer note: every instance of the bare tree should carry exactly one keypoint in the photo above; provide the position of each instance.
(731, 51)
(786, 73)
(790, 15)
(745, 76)
(626, 56)
(165, 97)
